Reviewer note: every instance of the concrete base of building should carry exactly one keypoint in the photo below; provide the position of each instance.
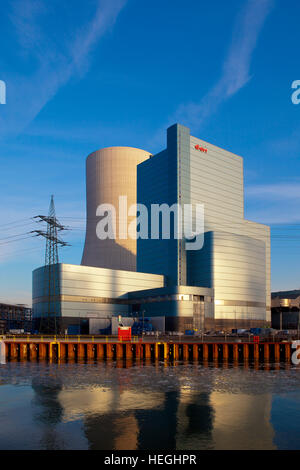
(74, 325)
(62, 325)
(186, 323)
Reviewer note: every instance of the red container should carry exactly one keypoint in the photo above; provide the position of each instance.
(124, 333)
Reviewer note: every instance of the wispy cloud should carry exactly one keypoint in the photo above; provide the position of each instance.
(53, 60)
(236, 67)
(93, 132)
(276, 203)
(275, 214)
(25, 18)
(104, 19)
(278, 191)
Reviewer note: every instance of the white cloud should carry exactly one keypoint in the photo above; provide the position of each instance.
(236, 67)
(53, 61)
(274, 192)
(275, 215)
(25, 18)
(276, 204)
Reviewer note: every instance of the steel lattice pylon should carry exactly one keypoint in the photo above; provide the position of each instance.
(49, 319)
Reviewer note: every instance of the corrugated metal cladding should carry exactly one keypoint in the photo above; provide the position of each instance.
(234, 262)
(235, 258)
(85, 290)
(110, 173)
(239, 249)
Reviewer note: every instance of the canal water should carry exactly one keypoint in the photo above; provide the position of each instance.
(117, 405)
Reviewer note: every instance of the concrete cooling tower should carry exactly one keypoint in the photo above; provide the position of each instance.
(110, 173)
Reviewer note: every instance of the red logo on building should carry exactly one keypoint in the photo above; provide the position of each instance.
(202, 149)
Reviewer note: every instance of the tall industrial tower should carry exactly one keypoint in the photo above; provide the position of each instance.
(111, 173)
(49, 320)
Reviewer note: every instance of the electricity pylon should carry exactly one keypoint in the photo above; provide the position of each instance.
(49, 318)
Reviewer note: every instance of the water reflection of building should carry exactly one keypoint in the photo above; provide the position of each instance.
(48, 411)
(166, 421)
(121, 418)
(195, 420)
(111, 431)
(151, 427)
(112, 417)
(124, 412)
(157, 427)
(223, 420)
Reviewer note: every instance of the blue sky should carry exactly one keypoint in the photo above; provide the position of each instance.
(85, 75)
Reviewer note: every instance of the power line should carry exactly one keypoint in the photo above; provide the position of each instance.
(25, 250)
(14, 236)
(14, 222)
(48, 319)
(14, 241)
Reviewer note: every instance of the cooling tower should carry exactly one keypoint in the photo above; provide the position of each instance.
(110, 173)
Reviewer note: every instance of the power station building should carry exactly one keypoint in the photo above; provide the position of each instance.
(224, 284)
(235, 258)
(110, 173)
